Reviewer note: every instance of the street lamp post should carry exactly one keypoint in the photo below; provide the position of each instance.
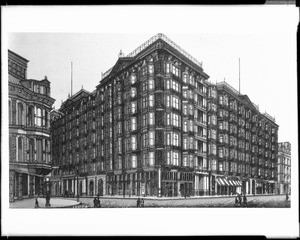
(77, 173)
(48, 192)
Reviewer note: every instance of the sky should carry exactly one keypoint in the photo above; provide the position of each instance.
(263, 37)
(265, 75)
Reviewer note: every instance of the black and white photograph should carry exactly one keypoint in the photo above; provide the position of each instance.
(167, 126)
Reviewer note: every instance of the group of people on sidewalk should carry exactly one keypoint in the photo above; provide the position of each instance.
(140, 202)
(97, 203)
(240, 200)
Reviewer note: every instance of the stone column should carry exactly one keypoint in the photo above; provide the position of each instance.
(159, 182)
(196, 184)
(41, 189)
(12, 176)
(20, 187)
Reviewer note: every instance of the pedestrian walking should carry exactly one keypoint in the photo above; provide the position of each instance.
(236, 201)
(95, 202)
(245, 200)
(287, 197)
(36, 203)
(98, 202)
(138, 202)
(240, 199)
(142, 202)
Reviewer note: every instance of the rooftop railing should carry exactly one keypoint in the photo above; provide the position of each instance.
(151, 41)
(269, 116)
(225, 84)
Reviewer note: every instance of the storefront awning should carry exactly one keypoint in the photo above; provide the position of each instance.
(222, 182)
(226, 182)
(218, 181)
(231, 183)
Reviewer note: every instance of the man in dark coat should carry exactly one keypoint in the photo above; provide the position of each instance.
(245, 200)
(138, 202)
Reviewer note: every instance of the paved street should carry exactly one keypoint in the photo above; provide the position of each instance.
(267, 201)
(55, 203)
(271, 201)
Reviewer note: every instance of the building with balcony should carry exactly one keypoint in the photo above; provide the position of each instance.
(242, 144)
(29, 130)
(284, 168)
(154, 126)
(141, 132)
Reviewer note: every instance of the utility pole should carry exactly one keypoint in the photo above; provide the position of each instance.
(239, 78)
(71, 79)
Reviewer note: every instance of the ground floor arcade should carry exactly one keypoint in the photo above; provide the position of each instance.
(24, 185)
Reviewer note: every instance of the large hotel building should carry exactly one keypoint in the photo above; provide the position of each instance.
(155, 126)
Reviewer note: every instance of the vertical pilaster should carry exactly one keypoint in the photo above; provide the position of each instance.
(159, 182)
(12, 175)
(20, 187)
(30, 185)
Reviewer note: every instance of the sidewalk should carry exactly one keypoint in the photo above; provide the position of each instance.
(176, 198)
(55, 203)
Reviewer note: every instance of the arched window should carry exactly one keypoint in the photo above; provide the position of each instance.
(39, 117)
(20, 149)
(20, 113)
(31, 150)
(31, 116)
(10, 112)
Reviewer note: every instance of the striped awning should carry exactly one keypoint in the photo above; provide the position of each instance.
(230, 182)
(226, 182)
(218, 181)
(222, 181)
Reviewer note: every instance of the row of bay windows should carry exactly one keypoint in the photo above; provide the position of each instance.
(224, 152)
(239, 168)
(30, 116)
(148, 160)
(38, 150)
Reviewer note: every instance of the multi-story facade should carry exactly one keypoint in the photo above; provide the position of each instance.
(154, 126)
(242, 143)
(144, 127)
(29, 130)
(284, 168)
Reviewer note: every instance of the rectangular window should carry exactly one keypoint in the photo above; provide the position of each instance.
(176, 158)
(169, 160)
(151, 84)
(133, 161)
(151, 118)
(151, 69)
(151, 100)
(175, 102)
(144, 102)
(133, 124)
(168, 139)
(175, 120)
(176, 139)
(151, 138)
(168, 102)
(184, 161)
(145, 140)
(133, 92)
(133, 143)
(168, 118)
(151, 158)
(133, 107)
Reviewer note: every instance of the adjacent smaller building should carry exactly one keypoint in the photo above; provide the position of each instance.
(29, 105)
(284, 168)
